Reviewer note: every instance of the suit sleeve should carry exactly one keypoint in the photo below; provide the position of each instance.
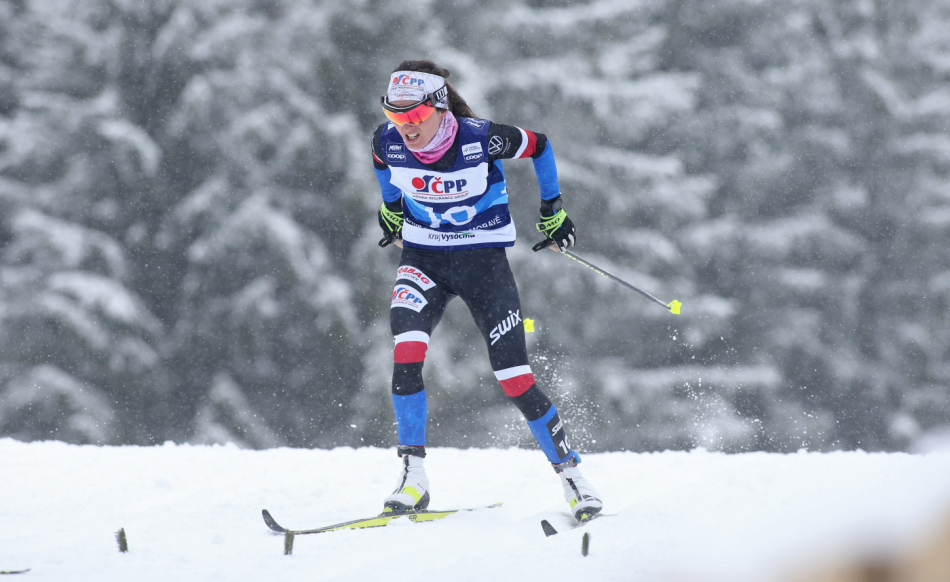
(383, 173)
(509, 142)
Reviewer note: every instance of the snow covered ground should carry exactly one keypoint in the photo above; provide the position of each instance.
(193, 513)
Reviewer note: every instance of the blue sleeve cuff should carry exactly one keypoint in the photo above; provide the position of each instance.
(390, 192)
(546, 170)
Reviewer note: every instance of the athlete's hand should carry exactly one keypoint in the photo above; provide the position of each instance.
(390, 220)
(556, 226)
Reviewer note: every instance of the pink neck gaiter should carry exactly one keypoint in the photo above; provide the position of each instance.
(441, 142)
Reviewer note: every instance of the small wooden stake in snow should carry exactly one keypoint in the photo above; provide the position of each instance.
(288, 543)
(120, 538)
(585, 543)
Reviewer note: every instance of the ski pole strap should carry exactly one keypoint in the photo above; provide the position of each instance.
(549, 225)
(391, 219)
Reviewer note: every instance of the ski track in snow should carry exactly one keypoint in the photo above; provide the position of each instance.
(194, 513)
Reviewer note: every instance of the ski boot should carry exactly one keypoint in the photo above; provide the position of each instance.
(584, 499)
(412, 490)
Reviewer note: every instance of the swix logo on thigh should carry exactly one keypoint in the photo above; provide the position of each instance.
(416, 276)
(409, 298)
(506, 325)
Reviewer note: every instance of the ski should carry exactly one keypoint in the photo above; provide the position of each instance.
(377, 521)
(549, 529)
(14, 571)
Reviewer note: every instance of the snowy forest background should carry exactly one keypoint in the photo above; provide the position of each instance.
(188, 231)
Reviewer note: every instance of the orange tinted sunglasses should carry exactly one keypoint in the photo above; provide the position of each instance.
(415, 113)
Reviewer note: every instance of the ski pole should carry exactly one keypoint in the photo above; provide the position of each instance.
(673, 306)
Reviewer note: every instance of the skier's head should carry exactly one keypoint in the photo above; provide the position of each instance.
(417, 98)
(423, 80)
(457, 105)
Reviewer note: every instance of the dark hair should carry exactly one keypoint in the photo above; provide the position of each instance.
(457, 105)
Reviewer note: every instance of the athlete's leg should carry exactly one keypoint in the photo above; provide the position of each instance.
(488, 288)
(492, 297)
(418, 303)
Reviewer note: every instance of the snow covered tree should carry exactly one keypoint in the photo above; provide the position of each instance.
(108, 134)
(818, 119)
(188, 239)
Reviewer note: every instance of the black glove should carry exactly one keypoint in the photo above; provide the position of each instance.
(390, 220)
(555, 225)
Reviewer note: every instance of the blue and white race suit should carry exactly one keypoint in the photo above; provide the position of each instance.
(456, 225)
(461, 201)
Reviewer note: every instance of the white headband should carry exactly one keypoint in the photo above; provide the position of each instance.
(416, 86)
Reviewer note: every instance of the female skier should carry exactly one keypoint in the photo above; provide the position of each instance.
(444, 195)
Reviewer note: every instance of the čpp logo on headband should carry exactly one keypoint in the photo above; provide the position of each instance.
(408, 80)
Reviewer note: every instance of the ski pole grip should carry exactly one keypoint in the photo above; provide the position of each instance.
(389, 240)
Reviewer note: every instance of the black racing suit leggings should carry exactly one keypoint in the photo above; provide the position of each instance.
(426, 281)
